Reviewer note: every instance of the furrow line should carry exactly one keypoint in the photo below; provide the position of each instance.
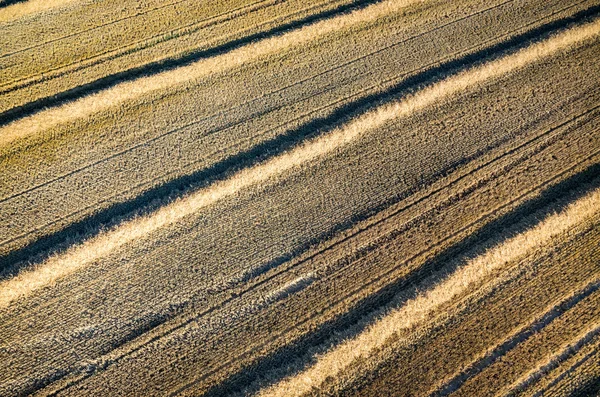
(30, 125)
(126, 91)
(14, 85)
(595, 352)
(369, 90)
(171, 174)
(276, 31)
(103, 244)
(197, 316)
(143, 44)
(213, 19)
(175, 173)
(384, 276)
(476, 367)
(553, 361)
(174, 327)
(414, 311)
(249, 287)
(364, 287)
(259, 350)
(470, 326)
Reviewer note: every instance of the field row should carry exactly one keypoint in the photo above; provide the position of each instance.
(277, 198)
(356, 276)
(497, 342)
(85, 58)
(204, 138)
(226, 251)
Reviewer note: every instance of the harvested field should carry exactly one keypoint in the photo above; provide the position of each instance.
(292, 198)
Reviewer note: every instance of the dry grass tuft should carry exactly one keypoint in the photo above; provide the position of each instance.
(102, 245)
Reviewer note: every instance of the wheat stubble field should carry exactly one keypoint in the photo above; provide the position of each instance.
(300, 198)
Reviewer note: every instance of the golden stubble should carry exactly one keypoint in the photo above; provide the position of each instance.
(19, 10)
(78, 256)
(121, 93)
(553, 360)
(420, 309)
